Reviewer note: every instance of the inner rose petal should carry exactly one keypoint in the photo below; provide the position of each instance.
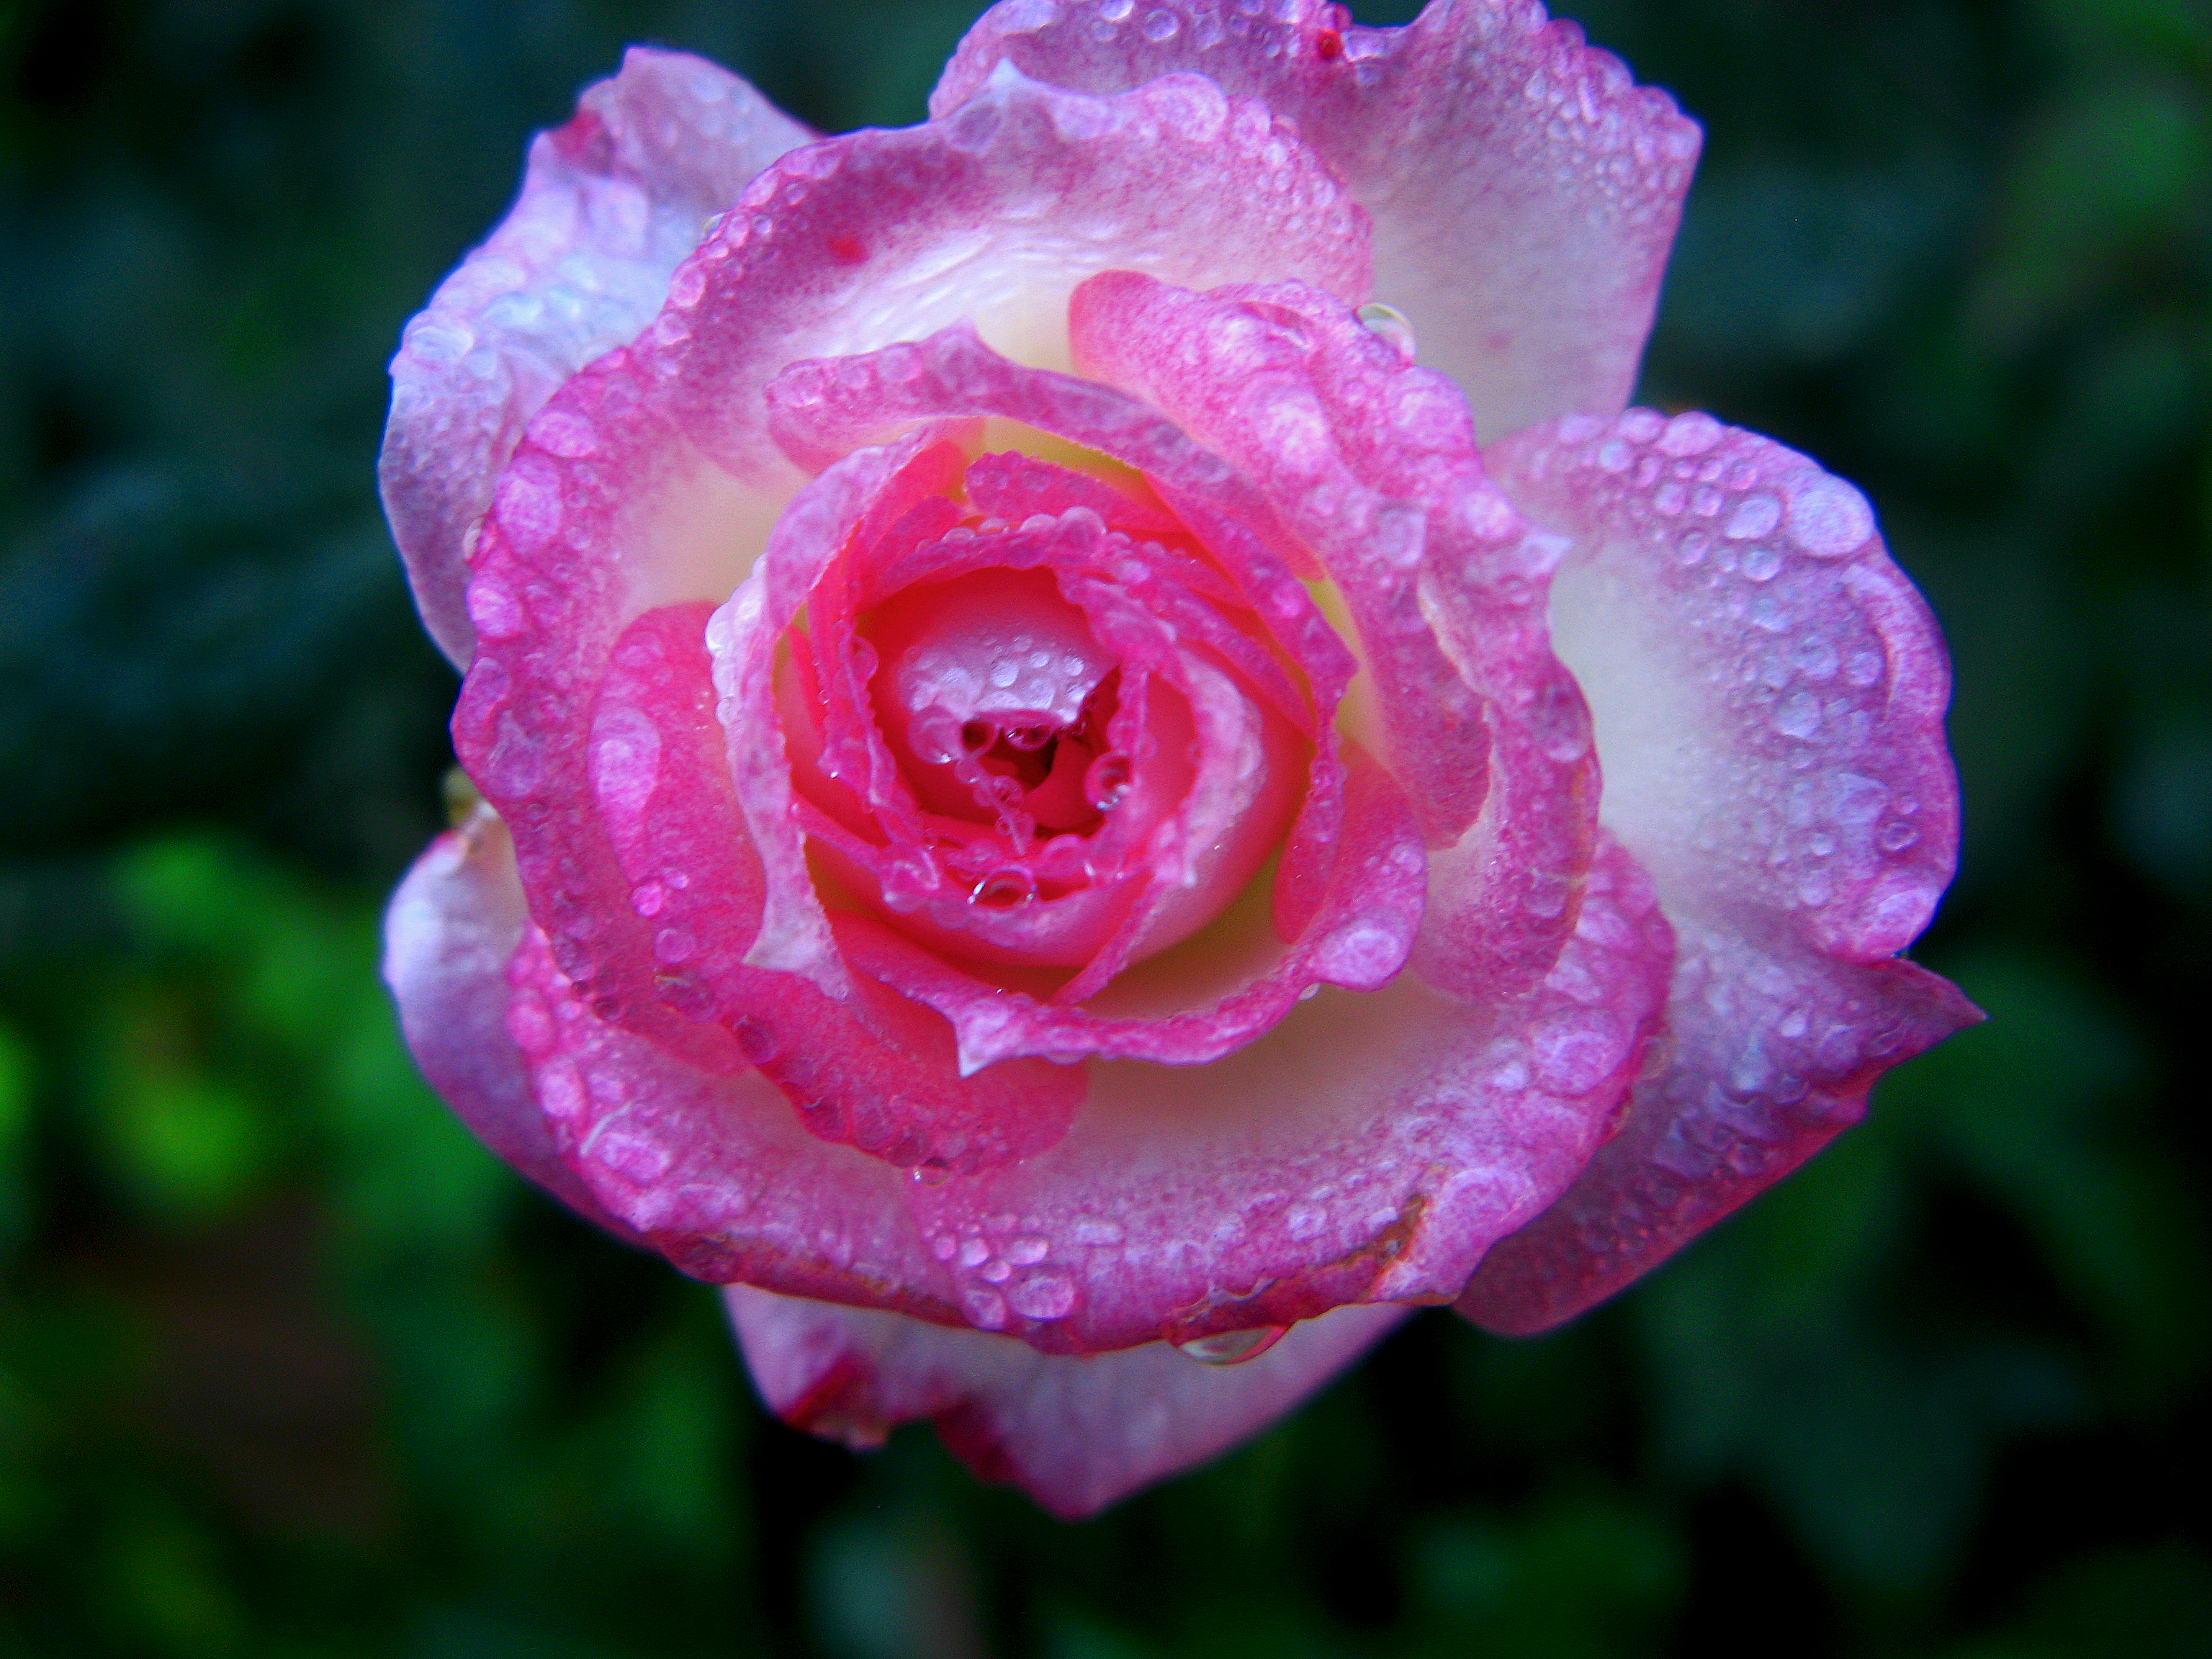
(1011, 760)
(994, 678)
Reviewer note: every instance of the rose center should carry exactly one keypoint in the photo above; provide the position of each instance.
(996, 696)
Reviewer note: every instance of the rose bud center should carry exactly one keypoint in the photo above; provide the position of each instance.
(996, 698)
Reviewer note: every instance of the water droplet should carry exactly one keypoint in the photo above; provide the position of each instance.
(1692, 549)
(1159, 25)
(1897, 835)
(1047, 1296)
(942, 1245)
(1027, 735)
(986, 1311)
(1232, 1347)
(1005, 889)
(1762, 563)
(1798, 716)
(936, 737)
(1027, 1252)
(1827, 517)
(1689, 434)
(1107, 780)
(996, 1272)
(756, 1040)
(1388, 323)
(1816, 657)
(1754, 515)
(972, 1253)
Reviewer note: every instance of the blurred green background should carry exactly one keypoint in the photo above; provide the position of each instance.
(288, 1367)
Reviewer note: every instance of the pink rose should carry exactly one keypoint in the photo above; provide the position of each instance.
(1042, 756)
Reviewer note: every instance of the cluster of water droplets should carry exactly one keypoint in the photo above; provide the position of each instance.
(1756, 542)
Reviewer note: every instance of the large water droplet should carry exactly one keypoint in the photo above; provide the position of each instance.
(1047, 1296)
(936, 735)
(1107, 780)
(1005, 889)
(1391, 325)
(1232, 1347)
(757, 1042)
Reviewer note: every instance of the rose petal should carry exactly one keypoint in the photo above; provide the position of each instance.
(1524, 191)
(715, 1172)
(1350, 897)
(1075, 1434)
(1372, 462)
(1768, 692)
(1369, 1147)
(1370, 879)
(611, 204)
(991, 218)
(616, 789)
(453, 927)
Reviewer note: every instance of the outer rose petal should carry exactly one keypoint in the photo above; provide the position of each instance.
(1370, 1148)
(1768, 692)
(1075, 1434)
(715, 1172)
(454, 924)
(1524, 191)
(611, 204)
(990, 218)
(621, 497)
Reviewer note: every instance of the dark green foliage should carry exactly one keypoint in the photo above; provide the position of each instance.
(288, 1367)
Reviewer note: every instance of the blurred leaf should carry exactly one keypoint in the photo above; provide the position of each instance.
(2034, 1106)
(2146, 1604)
(187, 1145)
(2112, 168)
(1583, 1574)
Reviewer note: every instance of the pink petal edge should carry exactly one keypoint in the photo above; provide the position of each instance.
(1744, 639)
(448, 934)
(1372, 461)
(1524, 191)
(1075, 1433)
(611, 204)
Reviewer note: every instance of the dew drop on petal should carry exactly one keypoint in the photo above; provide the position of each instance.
(1047, 1296)
(1232, 1347)
(936, 735)
(1107, 780)
(986, 1310)
(1754, 515)
(1828, 518)
(1798, 716)
(1391, 325)
(1005, 889)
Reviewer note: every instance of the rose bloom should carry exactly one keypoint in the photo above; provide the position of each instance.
(1106, 762)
